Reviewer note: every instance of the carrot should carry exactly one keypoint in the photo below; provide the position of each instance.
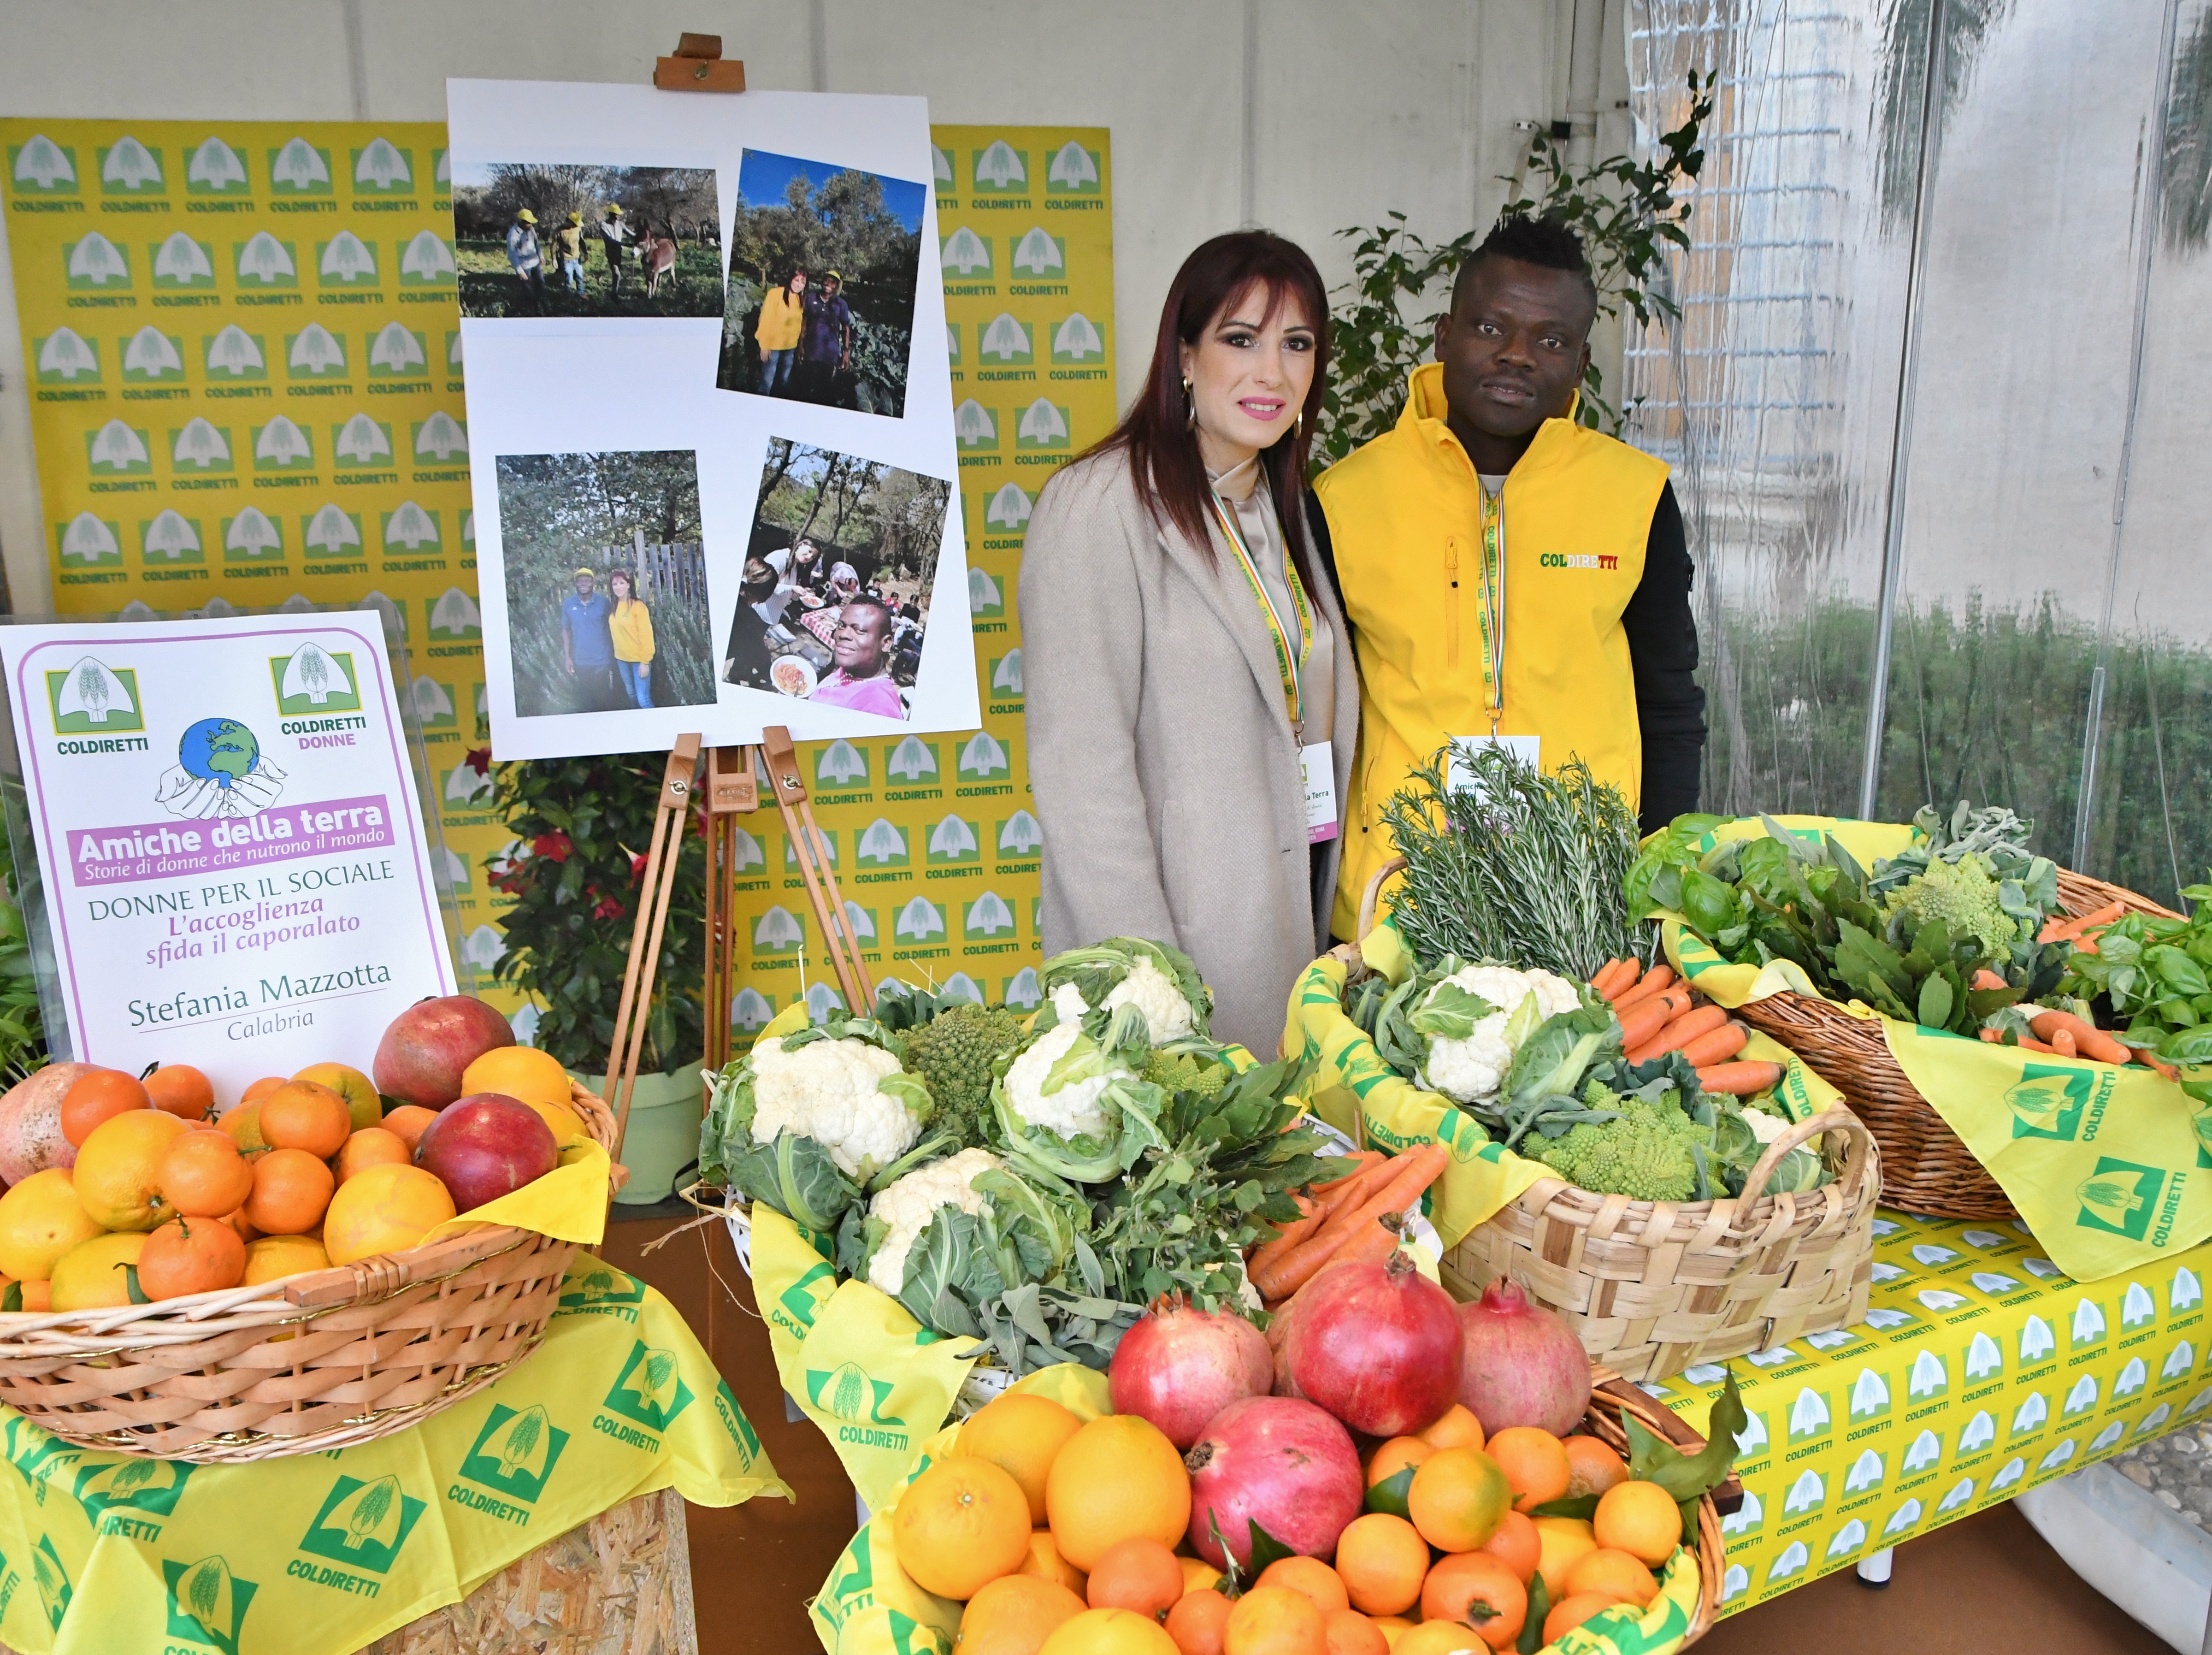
(1287, 1238)
(1332, 1200)
(1997, 1038)
(1613, 977)
(1739, 1079)
(2148, 1060)
(1645, 1021)
(1649, 983)
(1376, 1240)
(2060, 928)
(1412, 1172)
(2089, 1040)
(2062, 1041)
(1985, 978)
(1329, 1195)
(1680, 1032)
(1717, 1047)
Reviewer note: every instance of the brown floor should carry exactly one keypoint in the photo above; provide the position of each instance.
(1987, 1585)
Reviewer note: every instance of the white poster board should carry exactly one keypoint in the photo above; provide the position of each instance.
(236, 873)
(631, 263)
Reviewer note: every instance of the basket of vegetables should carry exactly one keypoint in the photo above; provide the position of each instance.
(1960, 928)
(1674, 1185)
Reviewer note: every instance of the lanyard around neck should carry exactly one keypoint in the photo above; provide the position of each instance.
(1492, 611)
(1277, 631)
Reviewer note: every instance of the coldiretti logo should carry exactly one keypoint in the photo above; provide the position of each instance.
(974, 426)
(2119, 1198)
(965, 254)
(841, 764)
(170, 535)
(313, 680)
(345, 261)
(1006, 675)
(91, 698)
(234, 355)
(149, 1486)
(954, 840)
(179, 262)
(65, 356)
(1578, 560)
(919, 923)
(846, 1393)
(1044, 424)
(215, 169)
(1040, 255)
(38, 165)
(409, 529)
(298, 167)
(312, 352)
(882, 844)
(999, 168)
(1073, 170)
(602, 1290)
(1809, 1416)
(206, 1602)
(514, 1454)
(363, 1525)
(266, 262)
(86, 542)
(396, 352)
(362, 444)
(648, 1390)
(740, 1429)
(120, 449)
(129, 167)
(1005, 342)
(2047, 1102)
(96, 264)
(779, 931)
(281, 445)
(381, 166)
(1078, 339)
(54, 1589)
(985, 598)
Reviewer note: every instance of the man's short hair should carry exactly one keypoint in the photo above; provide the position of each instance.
(1546, 242)
(866, 600)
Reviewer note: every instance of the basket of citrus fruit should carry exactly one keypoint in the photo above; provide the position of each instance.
(1329, 1506)
(278, 1278)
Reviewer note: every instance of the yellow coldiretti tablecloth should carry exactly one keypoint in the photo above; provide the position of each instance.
(1980, 1371)
(322, 1553)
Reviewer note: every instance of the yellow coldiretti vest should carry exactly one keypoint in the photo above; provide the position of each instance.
(1405, 513)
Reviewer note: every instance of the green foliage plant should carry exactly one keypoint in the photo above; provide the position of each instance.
(23, 1038)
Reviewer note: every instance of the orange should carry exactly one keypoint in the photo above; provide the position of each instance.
(363, 1106)
(1045, 1561)
(40, 1220)
(961, 1524)
(91, 1275)
(187, 1256)
(38, 1295)
(1108, 1632)
(388, 1209)
(1396, 1455)
(291, 1187)
(261, 1088)
(1462, 1588)
(1608, 1569)
(1592, 1468)
(1383, 1560)
(243, 1126)
(1351, 1632)
(1199, 1623)
(408, 1121)
(115, 1171)
(1518, 1545)
(1640, 1519)
(1138, 1573)
(97, 1098)
(202, 1175)
(1013, 1615)
(1573, 1611)
(1535, 1463)
(1020, 1435)
(1198, 1574)
(1566, 1541)
(1456, 1427)
(1310, 1576)
(238, 1221)
(307, 1114)
(1116, 1477)
(370, 1146)
(1439, 1638)
(1458, 1498)
(523, 1073)
(181, 1090)
(1274, 1621)
(1393, 1627)
(273, 1258)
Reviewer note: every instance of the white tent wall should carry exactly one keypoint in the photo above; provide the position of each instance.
(1302, 115)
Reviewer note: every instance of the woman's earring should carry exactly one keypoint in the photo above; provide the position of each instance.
(1298, 426)
(1189, 405)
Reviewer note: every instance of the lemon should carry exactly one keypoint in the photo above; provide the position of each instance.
(90, 1276)
(275, 1256)
(41, 1219)
(524, 1072)
(115, 1174)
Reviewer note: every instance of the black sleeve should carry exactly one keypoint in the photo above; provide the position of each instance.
(1324, 549)
(1662, 649)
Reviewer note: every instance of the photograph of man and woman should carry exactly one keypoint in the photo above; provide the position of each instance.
(819, 304)
(570, 240)
(839, 571)
(606, 581)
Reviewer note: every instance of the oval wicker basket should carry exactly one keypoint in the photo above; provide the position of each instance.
(1610, 1398)
(1925, 1168)
(299, 1366)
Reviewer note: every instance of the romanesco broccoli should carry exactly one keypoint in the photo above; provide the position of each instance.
(1964, 897)
(1644, 1155)
(1184, 1073)
(953, 1052)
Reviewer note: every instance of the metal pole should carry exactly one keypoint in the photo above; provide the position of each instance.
(1900, 445)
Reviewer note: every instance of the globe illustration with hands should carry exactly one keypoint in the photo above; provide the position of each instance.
(219, 750)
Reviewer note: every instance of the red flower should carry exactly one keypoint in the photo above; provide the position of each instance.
(636, 867)
(555, 845)
(607, 909)
(479, 760)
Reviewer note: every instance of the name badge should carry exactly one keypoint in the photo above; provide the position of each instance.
(1528, 749)
(1319, 765)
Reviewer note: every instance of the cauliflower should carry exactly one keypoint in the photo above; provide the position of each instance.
(1964, 897)
(1470, 1069)
(831, 1090)
(1070, 1112)
(1764, 1127)
(1156, 993)
(908, 1205)
(1644, 1155)
(1068, 1000)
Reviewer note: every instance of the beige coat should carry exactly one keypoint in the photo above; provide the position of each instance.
(1164, 770)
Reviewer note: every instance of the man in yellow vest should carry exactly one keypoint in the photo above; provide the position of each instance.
(1508, 573)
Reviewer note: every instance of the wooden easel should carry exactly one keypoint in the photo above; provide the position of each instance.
(732, 783)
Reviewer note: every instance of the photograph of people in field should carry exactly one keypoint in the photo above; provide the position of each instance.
(606, 581)
(838, 575)
(587, 240)
(819, 305)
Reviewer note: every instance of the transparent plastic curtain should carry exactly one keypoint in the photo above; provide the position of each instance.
(1937, 404)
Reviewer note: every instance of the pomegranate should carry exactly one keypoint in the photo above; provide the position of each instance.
(1282, 1461)
(1524, 1365)
(1178, 1368)
(485, 1146)
(428, 1047)
(1377, 1345)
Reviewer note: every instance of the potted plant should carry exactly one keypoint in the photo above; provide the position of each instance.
(574, 871)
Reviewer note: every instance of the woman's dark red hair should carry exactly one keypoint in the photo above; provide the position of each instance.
(1156, 432)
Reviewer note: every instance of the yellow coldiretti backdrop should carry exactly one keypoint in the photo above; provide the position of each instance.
(936, 844)
(245, 355)
(246, 348)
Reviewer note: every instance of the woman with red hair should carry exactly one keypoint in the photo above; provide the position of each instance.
(1192, 701)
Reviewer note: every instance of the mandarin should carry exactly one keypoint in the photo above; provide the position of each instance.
(1383, 1560)
(1610, 1569)
(408, 1121)
(1393, 1627)
(1199, 1623)
(1119, 1476)
(271, 1258)
(1458, 1498)
(1439, 1638)
(1274, 1621)
(186, 1256)
(1456, 1427)
(243, 1124)
(181, 1090)
(386, 1209)
(1398, 1454)
(1592, 1468)
(1535, 1463)
(1478, 1589)
(203, 1175)
(38, 1295)
(1310, 1576)
(1138, 1573)
(97, 1098)
(1640, 1519)
(1020, 1434)
(1564, 1540)
(1045, 1561)
(1518, 1545)
(367, 1147)
(1197, 1574)
(307, 1114)
(291, 1191)
(1573, 1611)
(1013, 1615)
(1351, 1632)
(115, 1171)
(261, 1088)
(1108, 1632)
(960, 1524)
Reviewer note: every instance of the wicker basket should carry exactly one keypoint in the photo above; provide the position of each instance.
(1611, 1399)
(1653, 1287)
(1925, 1168)
(299, 1365)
